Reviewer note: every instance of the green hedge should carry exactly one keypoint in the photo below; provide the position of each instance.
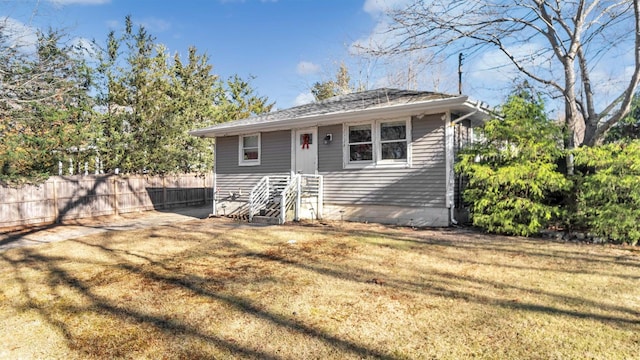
(608, 191)
(512, 170)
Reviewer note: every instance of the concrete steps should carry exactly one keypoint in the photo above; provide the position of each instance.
(268, 215)
(268, 220)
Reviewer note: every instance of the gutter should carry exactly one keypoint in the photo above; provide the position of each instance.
(334, 118)
(452, 124)
(468, 115)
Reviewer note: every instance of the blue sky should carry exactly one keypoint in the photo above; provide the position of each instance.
(287, 45)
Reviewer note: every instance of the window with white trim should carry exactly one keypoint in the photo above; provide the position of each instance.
(360, 143)
(249, 150)
(393, 141)
(382, 143)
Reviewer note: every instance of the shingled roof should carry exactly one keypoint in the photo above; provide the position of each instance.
(364, 101)
(355, 101)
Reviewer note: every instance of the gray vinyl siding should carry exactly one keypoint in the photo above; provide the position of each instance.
(422, 185)
(330, 155)
(275, 154)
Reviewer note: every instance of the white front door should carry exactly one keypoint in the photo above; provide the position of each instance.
(306, 151)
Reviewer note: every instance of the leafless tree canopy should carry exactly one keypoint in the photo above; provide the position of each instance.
(37, 67)
(566, 41)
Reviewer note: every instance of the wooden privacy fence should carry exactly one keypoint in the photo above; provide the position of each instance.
(74, 197)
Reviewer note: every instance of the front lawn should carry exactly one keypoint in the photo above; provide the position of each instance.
(218, 289)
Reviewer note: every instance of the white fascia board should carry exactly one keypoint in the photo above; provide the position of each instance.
(420, 108)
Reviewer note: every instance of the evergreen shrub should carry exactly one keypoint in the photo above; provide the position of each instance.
(512, 172)
(608, 191)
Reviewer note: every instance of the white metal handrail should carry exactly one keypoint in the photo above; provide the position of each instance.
(277, 183)
(288, 191)
(289, 197)
(265, 192)
(312, 186)
(259, 197)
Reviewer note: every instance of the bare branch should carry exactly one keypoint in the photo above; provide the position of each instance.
(627, 96)
(575, 36)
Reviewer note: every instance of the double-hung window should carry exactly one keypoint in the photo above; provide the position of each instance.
(360, 143)
(383, 143)
(393, 141)
(249, 150)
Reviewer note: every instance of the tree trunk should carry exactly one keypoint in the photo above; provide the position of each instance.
(590, 133)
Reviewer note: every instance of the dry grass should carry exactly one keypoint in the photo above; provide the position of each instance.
(215, 289)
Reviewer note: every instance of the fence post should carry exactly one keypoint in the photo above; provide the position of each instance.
(298, 197)
(115, 197)
(55, 201)
(283, 208)
(204, 189)
(164, 192)
(320, 197)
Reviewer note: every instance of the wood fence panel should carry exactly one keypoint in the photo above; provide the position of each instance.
(133, 195)
(185, 191)
(79, 197)
(74, 197)
(30, 204)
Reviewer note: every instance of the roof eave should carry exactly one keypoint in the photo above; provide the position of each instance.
(424, 107)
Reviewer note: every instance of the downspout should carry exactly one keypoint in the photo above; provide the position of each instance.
(215, 182)
(452, 124)
(449, 161)
(466, 116)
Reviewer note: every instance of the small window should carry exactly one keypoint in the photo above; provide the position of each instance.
(250, 150)
(306, 139)
(393, 141)
(360, 143)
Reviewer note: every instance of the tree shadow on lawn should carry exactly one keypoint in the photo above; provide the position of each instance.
(442, 284)
(81, 200)
(146, 266)
(473, 240)
(58, 277)
(77, 199)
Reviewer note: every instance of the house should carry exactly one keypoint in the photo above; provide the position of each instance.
(382, 155)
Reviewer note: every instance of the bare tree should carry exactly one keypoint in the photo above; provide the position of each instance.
(45, 107)
(417, 71)
(567, 41)
(37, 66)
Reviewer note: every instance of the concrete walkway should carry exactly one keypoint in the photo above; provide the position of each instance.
(84, 227)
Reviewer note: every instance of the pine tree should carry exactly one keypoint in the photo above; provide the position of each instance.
(46, 113)
(341, 85)
(512, 170)
(151, 100)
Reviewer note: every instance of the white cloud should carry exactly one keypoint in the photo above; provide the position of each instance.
(379, 37)
(376, 7)
(494, 66)
(113, 24)
(25, 39)
(18, 35)
(304, 98)
(244, 1)
(79, 2)
(307, 68)
(84, 47)
(154, 24)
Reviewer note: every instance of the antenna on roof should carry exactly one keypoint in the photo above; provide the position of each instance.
(460, 57)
